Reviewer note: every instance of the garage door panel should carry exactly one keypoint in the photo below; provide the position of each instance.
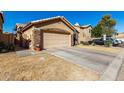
(52, 40)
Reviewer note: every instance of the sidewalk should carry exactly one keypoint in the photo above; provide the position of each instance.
(121, 73)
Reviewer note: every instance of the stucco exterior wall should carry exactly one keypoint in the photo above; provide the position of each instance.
(18, 36)
(84, 34)
(54, 24)
(27, 35)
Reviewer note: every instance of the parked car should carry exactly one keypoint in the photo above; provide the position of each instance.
(115, 42)
(121, 40)
(101, 41)
(98, 41)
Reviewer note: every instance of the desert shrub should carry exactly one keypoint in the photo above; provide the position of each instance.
(90, 42)
(108, 43)
(93, 44)
(85, 42)
(2, 44)
(3, 47)
(11, 47)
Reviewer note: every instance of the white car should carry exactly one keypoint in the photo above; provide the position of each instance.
(121, 40)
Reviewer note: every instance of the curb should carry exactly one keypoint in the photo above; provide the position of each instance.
(112, 71)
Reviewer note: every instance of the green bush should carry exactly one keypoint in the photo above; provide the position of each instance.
(93, 44)
(85, 42)
(108, 43)
(90, 42)
(3, 47)
(6, 47)
(11, 47)
(2, 44)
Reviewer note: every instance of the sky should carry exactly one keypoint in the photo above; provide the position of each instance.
(82, 17)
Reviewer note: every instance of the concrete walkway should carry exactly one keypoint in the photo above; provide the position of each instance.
(111, 73)
(91, 59)
(121, 72)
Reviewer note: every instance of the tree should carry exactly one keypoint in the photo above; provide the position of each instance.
(104, 26)
(96, 31)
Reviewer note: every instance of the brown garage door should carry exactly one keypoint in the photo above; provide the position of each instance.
(51, 40)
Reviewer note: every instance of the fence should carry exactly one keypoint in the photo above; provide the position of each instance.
(8, 38)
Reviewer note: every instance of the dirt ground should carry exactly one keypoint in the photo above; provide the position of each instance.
(41, 66)
(101, 48)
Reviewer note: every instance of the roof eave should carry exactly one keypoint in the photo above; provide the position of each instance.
(71, 26)
(2, 17)
(61, 18)
(26, 27)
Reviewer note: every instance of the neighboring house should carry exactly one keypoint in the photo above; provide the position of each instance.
(18, 38)
(1, 22)
(84, 32)
(48, 33)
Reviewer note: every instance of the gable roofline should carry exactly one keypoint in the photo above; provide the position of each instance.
(49, 19)
(20, 25)
(70, 24)
(84, 26)
(1, 14)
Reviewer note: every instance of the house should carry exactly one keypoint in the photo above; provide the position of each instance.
(1, 21)
(84, 32)
(18, 37)
(47, 33)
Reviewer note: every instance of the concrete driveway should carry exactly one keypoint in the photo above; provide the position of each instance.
(95, 60)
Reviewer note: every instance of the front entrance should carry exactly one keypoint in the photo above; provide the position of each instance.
(75, 39)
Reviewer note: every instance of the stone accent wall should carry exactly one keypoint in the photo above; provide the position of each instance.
(37, 39)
